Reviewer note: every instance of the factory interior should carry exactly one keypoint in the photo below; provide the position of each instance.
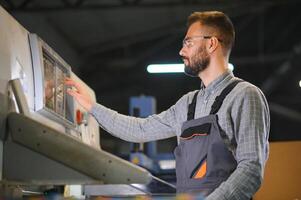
(107, 46)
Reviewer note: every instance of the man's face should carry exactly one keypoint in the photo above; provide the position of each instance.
(194, 52)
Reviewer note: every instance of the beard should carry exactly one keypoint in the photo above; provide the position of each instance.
(198, 62)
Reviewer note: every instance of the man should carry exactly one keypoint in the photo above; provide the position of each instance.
(222, 129)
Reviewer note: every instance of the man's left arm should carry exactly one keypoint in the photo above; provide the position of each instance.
(251, 120)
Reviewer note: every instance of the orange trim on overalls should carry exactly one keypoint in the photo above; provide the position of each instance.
(201, 171)
(195, 134)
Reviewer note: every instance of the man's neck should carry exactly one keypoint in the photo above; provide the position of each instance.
(213, 71)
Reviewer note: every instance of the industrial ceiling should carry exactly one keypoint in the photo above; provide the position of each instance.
(109, 43)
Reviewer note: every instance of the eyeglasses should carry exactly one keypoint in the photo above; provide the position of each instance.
(188, 42)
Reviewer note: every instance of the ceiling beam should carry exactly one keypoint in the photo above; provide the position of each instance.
(79, 3)
(9, 4)
(124, 42)
(25, 3)
(99, 5)
(285, 112)
(260, 59)
(66, 3)
(285, 33)
(270, 84)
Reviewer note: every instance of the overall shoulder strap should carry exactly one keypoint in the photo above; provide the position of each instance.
(220, 98)
(191, 107)
(231, 145)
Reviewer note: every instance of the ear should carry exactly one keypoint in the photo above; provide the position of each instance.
(212, 44)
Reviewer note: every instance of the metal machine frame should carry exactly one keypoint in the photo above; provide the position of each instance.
(37, 145)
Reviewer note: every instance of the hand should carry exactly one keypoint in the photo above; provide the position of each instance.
(80, 94)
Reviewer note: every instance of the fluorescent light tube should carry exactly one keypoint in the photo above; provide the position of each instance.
(171, 68)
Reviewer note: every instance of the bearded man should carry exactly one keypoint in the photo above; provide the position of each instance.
(222, 128)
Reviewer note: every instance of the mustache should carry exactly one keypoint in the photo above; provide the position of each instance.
(183, 58)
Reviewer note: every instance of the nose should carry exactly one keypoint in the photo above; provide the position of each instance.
(182, 52)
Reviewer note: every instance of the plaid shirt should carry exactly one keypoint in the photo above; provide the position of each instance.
(244, 117)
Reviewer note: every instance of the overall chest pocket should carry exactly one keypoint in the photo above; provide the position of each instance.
(192, 151)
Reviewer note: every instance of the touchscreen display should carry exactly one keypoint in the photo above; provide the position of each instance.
(49, 82)
(54, 88)
(60, 92)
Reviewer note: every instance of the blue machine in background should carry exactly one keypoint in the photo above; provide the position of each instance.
(146, 154)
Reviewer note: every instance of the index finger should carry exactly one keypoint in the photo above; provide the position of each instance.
(71, 82)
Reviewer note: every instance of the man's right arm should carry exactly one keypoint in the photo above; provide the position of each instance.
(155, 127)
(133, 129)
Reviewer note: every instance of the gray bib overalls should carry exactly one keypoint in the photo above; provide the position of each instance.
(204, 157)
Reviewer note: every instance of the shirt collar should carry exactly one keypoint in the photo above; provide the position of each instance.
(217, 82)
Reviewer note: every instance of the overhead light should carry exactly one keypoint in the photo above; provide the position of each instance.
(171, 68)
(299, 83)
(165, 68)
(231, 66)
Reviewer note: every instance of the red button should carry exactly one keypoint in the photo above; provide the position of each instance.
(79, 117)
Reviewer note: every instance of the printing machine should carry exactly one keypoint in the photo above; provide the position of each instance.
(46, 138)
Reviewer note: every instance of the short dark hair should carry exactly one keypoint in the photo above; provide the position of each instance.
(219, 23)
